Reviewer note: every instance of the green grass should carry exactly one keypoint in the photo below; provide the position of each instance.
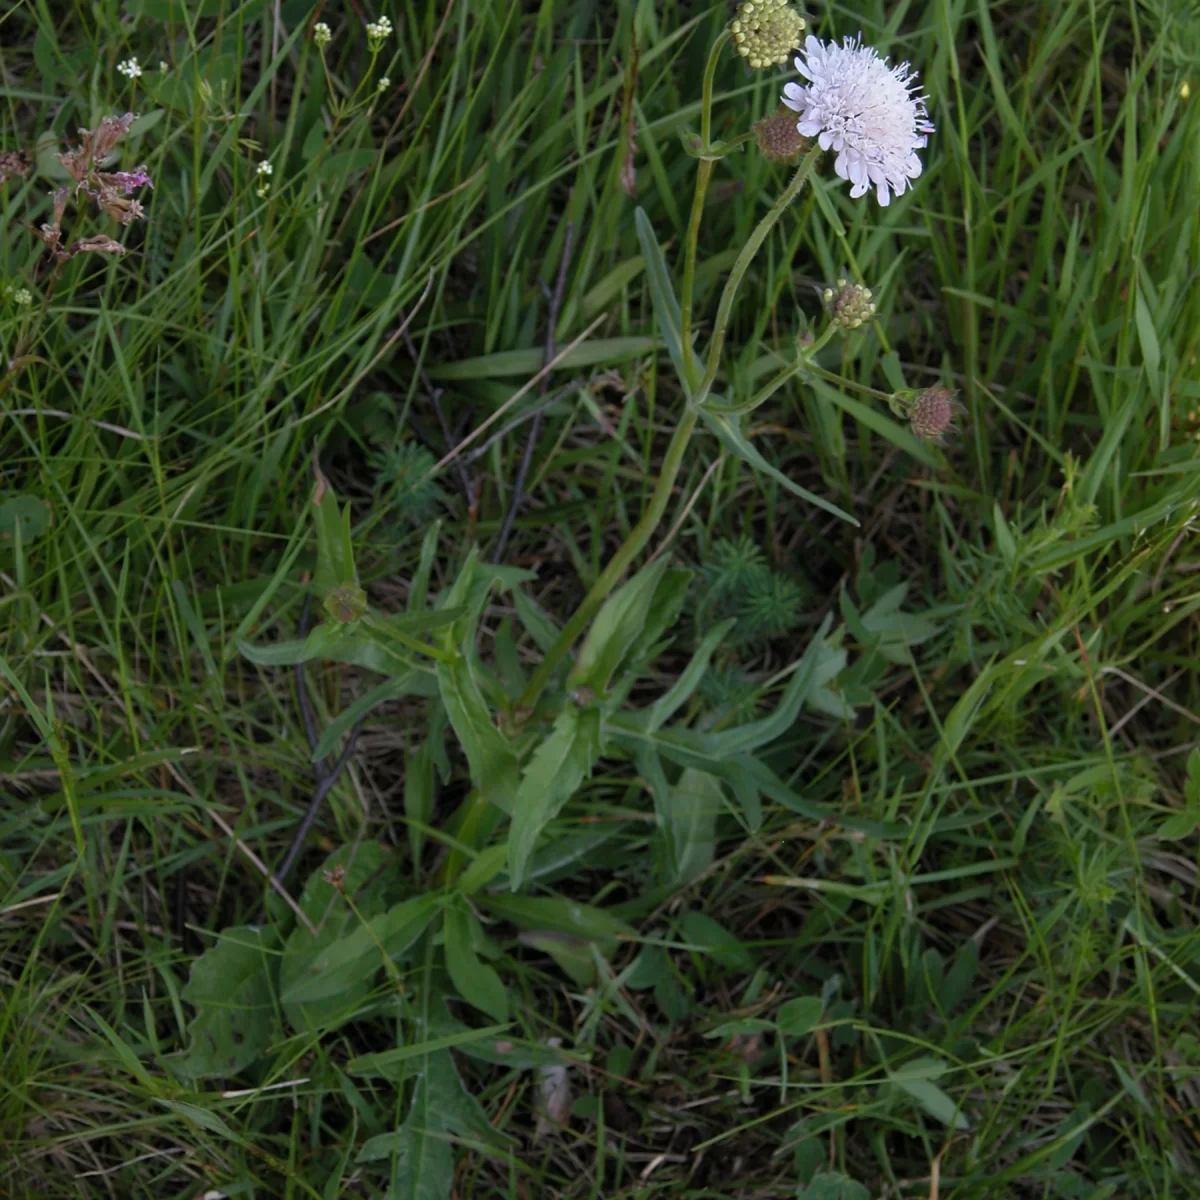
(935, 935)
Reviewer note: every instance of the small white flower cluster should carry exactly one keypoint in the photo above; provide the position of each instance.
(21, 297)
(163, 65)
(321, 35)
(377, 33)
(264, 171)
(130, 68)
(865, 110)
(383, 84)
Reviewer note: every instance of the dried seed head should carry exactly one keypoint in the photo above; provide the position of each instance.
(778, 138)
(765, 32)
(849, 304)
(13, 164)
(932, 412)
(95, 146)
(94, 245)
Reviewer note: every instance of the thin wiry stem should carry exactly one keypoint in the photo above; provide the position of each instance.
(466, 486)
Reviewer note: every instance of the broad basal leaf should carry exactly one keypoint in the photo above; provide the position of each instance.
(230, 987)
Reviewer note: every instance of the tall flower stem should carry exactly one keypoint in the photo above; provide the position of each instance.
(644, 529)
(703, 176)
(742, 263)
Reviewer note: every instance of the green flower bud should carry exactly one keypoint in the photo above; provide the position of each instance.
(765, 32)
(849, 305)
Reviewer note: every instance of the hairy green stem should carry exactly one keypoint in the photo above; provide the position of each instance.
(704, 170)
(703, 175)
(710, 72)
(802, 363)
(749, 250)
(617, 565)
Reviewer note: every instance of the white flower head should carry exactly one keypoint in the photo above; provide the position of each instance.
(164, 66)
(377, 33)
(130, 68)
(321, 35)
(383, 84)
(21, 297)
(865, 110)
(265, 168)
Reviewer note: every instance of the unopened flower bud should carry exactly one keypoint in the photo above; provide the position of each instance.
(765, 32)
(778, 138)
(849, 304)
(931, 413)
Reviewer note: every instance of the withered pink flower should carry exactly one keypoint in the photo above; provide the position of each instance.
(126, 181)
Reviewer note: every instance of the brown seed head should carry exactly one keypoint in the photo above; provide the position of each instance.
(931, 415)
(13, 164)
(777, 136)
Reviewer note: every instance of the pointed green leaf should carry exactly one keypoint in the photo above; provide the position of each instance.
(473, 979)
(693, 806)
(493, 762)
(559, 765)
(617, 626)
(935, 1102)
(559, 915)
(832, 1185)
(591, 353)
(662, 294)
(335, 549)
(412, 683)
(731, 437)
(665, 707)
(799, 1017)
(818, 665)
(712, 938)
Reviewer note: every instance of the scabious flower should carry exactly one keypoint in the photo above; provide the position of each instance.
(865, 110)
(130, 68)
(321, 35)
(765, 32)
